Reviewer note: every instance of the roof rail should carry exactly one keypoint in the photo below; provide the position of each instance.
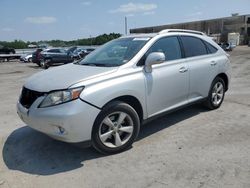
(181, 30)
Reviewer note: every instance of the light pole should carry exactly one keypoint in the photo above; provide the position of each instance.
(126, 25)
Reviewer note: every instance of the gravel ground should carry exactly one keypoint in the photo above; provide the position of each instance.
(192, 147)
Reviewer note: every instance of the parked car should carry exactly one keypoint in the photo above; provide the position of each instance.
(226, 46)
(56, 56)
(6, 50)
(82, 52)
(104, 98)
(26, 58)
(36, 56)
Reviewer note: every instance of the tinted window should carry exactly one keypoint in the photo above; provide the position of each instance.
(169, 46)
(193, 46)
(61, 51)
(54, 51)
(211, 48)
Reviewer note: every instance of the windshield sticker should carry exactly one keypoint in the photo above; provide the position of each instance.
(141, 39)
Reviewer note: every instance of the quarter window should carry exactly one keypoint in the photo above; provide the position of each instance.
(211, 48)
(193, 46)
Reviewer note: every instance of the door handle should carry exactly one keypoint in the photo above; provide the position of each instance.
(213, 63)
(183, 69)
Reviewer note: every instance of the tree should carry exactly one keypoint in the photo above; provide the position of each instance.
(99, 40)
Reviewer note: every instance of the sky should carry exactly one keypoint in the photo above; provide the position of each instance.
(34, 20)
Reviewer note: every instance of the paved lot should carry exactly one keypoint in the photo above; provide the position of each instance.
(189, 148)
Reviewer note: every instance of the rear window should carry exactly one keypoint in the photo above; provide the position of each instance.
(193, 46)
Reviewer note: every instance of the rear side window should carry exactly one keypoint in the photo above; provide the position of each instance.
(169, 46)
(211, 48)
(193, 46)
(54, 51)
(61, 51)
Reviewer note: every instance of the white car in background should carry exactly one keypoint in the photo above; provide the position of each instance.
(26, 58)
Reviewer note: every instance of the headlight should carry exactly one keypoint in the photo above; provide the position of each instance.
(59, 97)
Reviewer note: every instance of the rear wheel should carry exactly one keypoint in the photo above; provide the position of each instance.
(115, 128)
(216, 94)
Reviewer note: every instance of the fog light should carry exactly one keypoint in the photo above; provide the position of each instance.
(61, 130)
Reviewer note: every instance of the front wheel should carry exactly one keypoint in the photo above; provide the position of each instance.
(216, 94)
(45, 63)
(115, 128)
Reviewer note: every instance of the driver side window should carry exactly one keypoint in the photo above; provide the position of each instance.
(169, 46)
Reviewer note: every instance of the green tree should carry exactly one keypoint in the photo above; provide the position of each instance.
(99, 40)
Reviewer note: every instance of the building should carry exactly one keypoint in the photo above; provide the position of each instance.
(218, 28)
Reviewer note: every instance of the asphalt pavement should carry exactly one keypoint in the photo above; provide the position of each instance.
(192, 147)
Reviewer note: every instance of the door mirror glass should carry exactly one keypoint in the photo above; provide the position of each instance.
(153, 58)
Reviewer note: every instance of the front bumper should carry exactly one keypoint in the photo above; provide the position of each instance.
(69, 122)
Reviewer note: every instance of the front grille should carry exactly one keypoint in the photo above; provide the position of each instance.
(29, 96)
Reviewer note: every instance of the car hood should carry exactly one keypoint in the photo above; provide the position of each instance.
(64, 76)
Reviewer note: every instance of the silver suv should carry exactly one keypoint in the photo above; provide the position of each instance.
(105, 97)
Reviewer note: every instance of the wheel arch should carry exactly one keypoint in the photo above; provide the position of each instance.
(225, 79)
(130, 100)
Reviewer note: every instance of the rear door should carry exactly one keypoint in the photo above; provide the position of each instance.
(63, 56)
(53, 55)
(203, 66)
(58, 55)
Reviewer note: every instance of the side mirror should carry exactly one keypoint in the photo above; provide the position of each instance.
(153, 58)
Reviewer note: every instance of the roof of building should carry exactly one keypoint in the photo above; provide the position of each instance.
(193, 22)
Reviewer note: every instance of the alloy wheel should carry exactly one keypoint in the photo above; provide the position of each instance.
(116, 129)
(217, 93)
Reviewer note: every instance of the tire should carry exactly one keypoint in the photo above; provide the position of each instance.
(45, 63)
(39, 64)
(115, 128)
(30, 60)
(216, 94)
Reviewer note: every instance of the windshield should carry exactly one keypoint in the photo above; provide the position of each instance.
(115, 53)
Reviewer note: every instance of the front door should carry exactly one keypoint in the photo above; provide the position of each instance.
(167, 85)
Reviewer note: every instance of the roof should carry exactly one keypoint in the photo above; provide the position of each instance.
(164, 31)
(150, 35)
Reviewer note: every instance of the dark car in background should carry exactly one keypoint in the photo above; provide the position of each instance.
(54, 56)
(6, 50)
(36, 56)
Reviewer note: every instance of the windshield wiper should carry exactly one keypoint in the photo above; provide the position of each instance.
(97, 64)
